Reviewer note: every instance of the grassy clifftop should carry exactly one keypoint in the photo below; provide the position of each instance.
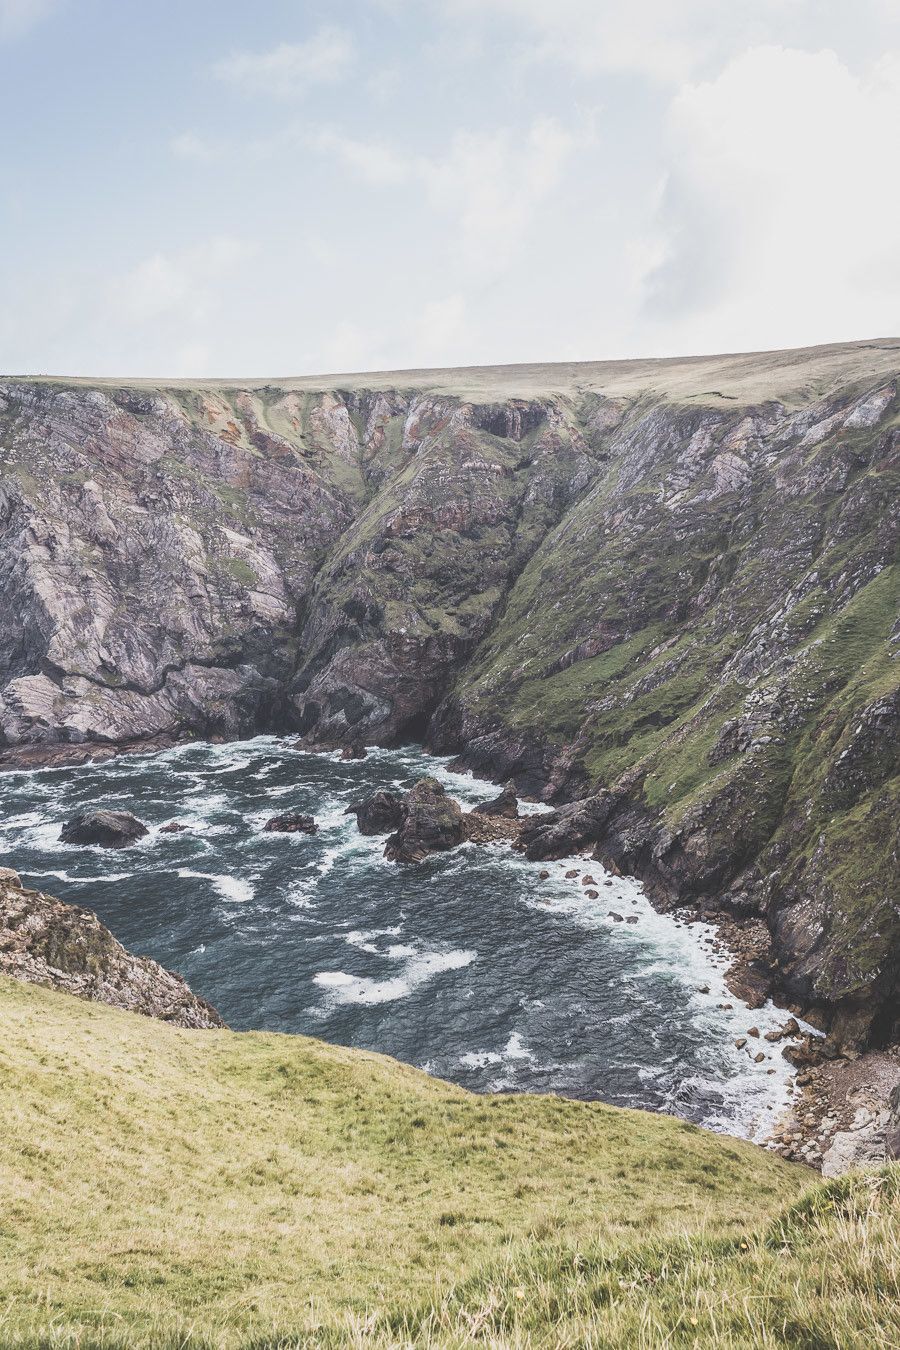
(173, 1188)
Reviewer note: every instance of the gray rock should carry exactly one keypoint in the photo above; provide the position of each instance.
(109, 829)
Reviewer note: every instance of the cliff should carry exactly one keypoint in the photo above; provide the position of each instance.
(65, 947)
(671, 586)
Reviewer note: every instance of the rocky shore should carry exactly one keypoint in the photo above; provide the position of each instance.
(44, 941)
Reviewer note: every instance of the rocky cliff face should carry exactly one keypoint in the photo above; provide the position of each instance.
(43, 941)
(675, 584)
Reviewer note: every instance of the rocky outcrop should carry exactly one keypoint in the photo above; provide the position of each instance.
(108, 829)
(671, 588)
(291, 822)
(505, 805)
(44, 941)
(432, 823)
(380, 813)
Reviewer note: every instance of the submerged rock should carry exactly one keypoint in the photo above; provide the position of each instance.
(291, 822)
(173, 827)
(433, 822)
(379, 814)
(109, 829)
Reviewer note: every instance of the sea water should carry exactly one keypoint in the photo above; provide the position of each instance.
(467, 965)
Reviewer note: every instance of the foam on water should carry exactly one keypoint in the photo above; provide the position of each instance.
(418, 968)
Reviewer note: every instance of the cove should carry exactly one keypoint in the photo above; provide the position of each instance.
(467, 965)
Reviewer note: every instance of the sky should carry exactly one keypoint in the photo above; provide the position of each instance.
(207, 187)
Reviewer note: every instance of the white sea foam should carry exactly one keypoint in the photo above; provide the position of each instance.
(420, 967)
(234, 889)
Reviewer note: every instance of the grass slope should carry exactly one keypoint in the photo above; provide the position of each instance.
(168, 1188)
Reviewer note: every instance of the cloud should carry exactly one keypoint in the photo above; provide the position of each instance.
(289, 69)
(181, 284)
(778, 221)
(17, 16)
(188, 145)
(489, 184)
(374, 161)
(665, 40)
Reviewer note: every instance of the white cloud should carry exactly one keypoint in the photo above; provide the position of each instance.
(181, 284)
(779, 216)
(666, 40)
(374, 161)
(290, 68)
(489, 184)
(190, 146)
(17, 16)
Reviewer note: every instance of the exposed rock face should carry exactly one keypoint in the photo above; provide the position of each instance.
(109, 829)
(432, 823)
(43, 941)
(668, 587)
(505, 805)
(291, 822)
(379, 814)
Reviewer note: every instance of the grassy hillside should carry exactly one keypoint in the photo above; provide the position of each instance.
(171, 1188)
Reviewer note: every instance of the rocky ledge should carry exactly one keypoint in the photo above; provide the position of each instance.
(43, 941)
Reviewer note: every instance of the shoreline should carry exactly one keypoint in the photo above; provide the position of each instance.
(822, 1096)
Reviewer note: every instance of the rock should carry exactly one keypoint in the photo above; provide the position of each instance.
(291, 822)
(543, 875)
(505, 805)
(741, 1042)
(379, 814)
(173, 827)
(109, 829)
(356, 750)
(571, 874)
(592, 895)
(433, 822)
(892, 1128)
(588, 880)
(10, 878)
(555, 834)
(43, 941)
(632, 918)
(754, 1031)
(758, 1059)
(703, 989)
(619, 918)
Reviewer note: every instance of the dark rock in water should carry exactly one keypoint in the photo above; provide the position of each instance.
(354, 751)
(554, 834)
(592, 895)
(291, 822)
(173, 827)
(632, 918)
(379, 814)
(543, 875)
(433, 823)
(109, 829)
(618, 917)
(506, 805)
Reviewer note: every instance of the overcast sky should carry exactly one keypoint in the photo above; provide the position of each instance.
(210, 187)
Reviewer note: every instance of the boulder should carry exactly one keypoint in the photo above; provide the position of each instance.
(291, 822)
(556, 834)
(173, 827)
(109, 829)
(433, 822)
(9, 877)
(505, 805)
(356, 750)
(379, 814)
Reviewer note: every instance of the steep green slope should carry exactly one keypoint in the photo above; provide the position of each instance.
(158, 1184)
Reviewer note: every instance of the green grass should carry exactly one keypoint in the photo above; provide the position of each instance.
(166, 1187)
